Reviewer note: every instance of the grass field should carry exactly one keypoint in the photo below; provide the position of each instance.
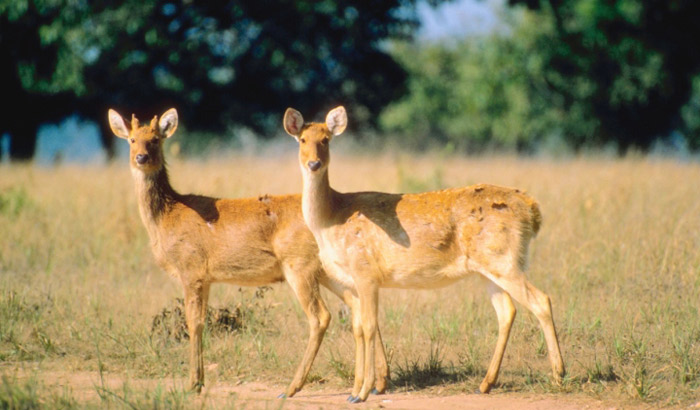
(618, 254)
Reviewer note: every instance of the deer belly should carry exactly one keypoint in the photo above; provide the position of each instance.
(251, 268)
(416, 274)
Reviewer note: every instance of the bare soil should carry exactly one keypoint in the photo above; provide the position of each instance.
(84, 386)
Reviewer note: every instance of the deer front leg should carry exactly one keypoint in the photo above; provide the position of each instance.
(382, 367)
(309, 297)
(196, 296)
(369, 294)
(358, 334)
(348, 295)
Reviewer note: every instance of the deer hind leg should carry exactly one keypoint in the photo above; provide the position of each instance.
(196, 297)
(306, 290)
(537, 302)
(505, 311)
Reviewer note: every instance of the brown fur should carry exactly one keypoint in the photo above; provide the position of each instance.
(426, 240)
(201, 240)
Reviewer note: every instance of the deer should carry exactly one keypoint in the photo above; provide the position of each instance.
(201, 240)
(420, 241)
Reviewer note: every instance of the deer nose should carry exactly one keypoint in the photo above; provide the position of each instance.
(314, 165)
(141, 158)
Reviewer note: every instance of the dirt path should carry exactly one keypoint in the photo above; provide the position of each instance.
(420, 401)
(84, 387)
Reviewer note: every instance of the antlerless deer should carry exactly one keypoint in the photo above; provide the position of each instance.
(252, 242)
(370, 240)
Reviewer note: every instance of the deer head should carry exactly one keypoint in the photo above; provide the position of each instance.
(145, 142)
(313, 138)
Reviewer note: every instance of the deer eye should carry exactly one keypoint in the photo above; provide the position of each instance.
(302, 140)
(324, 141)
(132, 140)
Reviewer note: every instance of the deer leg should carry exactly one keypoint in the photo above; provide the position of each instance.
(539, 304)
(358, 334)
(542, 308)
(505, 311)
(196, 296)
(309, 297)
(382, 367)
(369, 295)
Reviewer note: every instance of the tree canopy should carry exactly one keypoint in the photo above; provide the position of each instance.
(218, 62)
(637, 57)
(591, 72)
(585, 72)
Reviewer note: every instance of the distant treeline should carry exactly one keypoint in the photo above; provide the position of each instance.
(586, 72)
(590, 73)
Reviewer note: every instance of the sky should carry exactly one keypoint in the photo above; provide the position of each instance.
(458, 18)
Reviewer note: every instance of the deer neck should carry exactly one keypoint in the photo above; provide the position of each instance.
(317, 200)
(155, 197)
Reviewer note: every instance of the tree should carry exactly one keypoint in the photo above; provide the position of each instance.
(476, 93)
(590, 72)
(219, 62)
(625, 64)
(34, 79)
(690, 113)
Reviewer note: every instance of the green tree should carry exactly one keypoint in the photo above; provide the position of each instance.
(218, 62)
(36, 75)
(690, 113)
(624, 65)
(480, 92)
(589, 72)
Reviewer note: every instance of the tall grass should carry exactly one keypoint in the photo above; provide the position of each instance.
(618, 255)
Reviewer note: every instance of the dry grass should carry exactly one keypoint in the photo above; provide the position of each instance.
(618, 254)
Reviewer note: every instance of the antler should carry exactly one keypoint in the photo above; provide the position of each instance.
(154, 123)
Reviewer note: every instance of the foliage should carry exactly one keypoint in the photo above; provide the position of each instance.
(628, 64)
(690, 113)
(476, 93)
(221, 63)
(587, 72)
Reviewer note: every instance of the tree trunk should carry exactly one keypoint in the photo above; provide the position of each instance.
(23, 144)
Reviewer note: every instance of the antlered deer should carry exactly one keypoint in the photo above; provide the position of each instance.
(250, 242)
(425, 240)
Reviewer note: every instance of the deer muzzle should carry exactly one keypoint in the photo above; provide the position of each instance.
(314, 165)
(141, 158)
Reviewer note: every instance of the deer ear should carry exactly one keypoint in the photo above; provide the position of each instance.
(337, 120)
(293, 122)
(168, 123)
(116, 123)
